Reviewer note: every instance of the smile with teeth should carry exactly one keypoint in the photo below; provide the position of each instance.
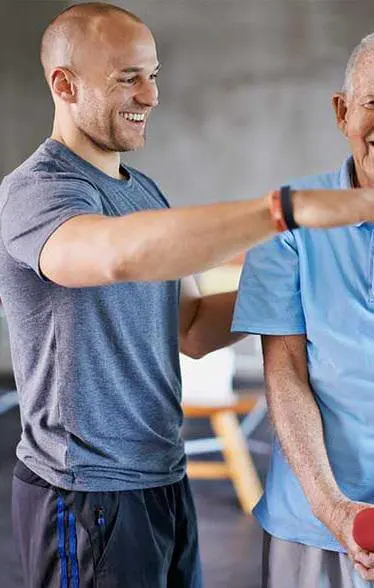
(133, 116)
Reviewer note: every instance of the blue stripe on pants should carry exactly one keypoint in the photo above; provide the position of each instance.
(61, 543)
(73, 551)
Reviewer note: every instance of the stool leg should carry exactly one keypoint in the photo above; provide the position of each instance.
(239, 462)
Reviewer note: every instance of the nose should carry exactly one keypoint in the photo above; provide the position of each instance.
(147, 94)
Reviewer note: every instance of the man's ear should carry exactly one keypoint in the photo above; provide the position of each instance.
(339, 103)
(63, 84)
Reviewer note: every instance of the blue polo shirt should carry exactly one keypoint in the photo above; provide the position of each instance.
(319, 283)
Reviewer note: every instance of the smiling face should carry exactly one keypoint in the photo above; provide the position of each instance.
(119, 90)
(113, 72)
(355, 116)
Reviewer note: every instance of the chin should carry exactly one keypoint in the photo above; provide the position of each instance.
(370, 182)
(132, 145)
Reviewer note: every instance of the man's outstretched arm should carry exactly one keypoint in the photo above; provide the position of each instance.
(91, 250)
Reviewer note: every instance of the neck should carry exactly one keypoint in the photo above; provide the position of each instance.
(359, 178)
(106, 161)
(354, 179)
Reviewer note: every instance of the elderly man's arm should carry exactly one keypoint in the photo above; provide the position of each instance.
(297, 419)
(205, 321)
(298, 424)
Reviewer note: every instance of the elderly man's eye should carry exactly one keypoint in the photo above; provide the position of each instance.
(369, 104)
(128, 80)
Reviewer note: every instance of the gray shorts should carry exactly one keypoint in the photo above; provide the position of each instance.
(292, 565)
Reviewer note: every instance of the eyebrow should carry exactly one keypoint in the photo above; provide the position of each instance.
(139, 69)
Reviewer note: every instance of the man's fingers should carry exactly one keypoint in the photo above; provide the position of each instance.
(365, 558)
(365, 574)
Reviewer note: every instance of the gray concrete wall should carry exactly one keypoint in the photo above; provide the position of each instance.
(245, 89)
(25, 106)
(245, 92)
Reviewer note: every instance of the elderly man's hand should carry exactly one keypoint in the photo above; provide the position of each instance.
(340, 524)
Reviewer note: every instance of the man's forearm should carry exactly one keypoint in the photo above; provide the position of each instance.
(197, 238)
(210, 328)
(185, 241)
(299, 427)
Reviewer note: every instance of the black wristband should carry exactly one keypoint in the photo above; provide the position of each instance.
(287, 208)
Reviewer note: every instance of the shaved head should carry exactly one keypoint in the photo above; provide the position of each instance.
(75, 27)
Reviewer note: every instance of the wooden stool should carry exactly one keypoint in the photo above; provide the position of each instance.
(238, 464)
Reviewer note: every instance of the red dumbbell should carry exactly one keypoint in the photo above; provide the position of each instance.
(363, 529)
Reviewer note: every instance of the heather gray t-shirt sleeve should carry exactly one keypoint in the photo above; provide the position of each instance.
(34, 209)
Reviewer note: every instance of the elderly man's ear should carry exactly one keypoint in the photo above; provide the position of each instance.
(340, 106)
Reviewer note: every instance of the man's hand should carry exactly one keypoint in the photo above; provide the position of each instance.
(340, 524)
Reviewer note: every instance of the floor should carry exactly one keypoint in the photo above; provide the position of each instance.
(230, 541)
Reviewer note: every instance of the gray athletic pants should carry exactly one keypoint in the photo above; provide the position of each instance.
(293, 565)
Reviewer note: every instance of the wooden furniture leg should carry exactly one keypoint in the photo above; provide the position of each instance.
(237, 459)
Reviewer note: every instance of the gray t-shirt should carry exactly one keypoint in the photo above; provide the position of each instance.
(97, 369)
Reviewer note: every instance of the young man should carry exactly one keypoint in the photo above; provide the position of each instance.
(90, 257)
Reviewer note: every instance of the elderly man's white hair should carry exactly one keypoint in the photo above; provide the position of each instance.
(366, 44)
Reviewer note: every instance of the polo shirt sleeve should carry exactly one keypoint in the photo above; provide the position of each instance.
(269, 300)
(36, 206)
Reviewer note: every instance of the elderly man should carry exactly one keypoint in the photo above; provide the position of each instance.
(310, 294)
(90, 258)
